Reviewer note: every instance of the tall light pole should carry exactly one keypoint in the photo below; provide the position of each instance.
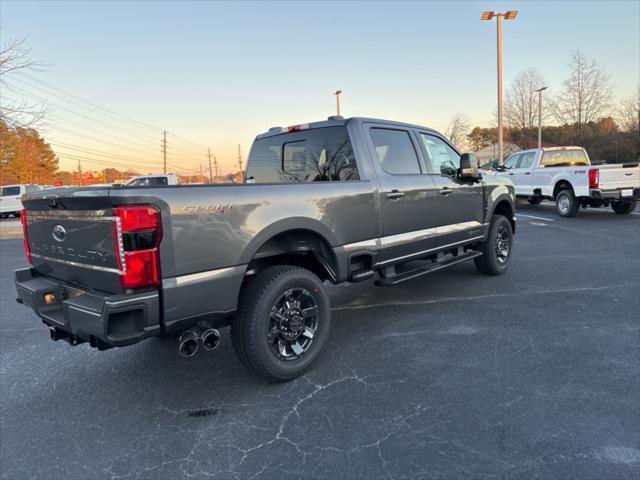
(337, 94)
(540, 90)
(508, 15)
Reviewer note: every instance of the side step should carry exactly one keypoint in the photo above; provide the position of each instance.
(410, 274)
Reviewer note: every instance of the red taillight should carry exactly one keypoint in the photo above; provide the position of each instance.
(25, 235)
(137, 234)
(594, 178)
(135, 218)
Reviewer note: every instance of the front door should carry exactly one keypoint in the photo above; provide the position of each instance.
(407, 196)
(459, 212)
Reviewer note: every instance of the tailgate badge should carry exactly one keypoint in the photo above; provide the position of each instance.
(58, 233)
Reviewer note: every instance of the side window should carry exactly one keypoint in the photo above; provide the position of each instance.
(512, 161)
(157, 181)
(527, 160)
(10, 191)
(442, 157)
(395, 151)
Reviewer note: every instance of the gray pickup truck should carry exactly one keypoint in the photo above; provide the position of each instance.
(341, 200)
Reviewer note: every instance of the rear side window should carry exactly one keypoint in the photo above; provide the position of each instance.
(10, 191)
(395, 151)
(315, 155)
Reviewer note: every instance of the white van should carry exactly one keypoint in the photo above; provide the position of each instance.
(10, 203)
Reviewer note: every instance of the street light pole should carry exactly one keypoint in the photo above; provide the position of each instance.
(540, 90)
(337, 94)
(500, 139)
(508, 15)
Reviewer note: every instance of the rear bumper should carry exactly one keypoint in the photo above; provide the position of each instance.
(101, 319)
(615, 194)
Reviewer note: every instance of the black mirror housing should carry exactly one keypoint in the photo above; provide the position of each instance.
(469, 168)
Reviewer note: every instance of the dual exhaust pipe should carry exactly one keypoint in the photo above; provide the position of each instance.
(189, 341)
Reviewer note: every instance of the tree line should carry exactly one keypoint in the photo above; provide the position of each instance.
(582, 112)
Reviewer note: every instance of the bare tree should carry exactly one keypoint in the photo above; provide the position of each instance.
(15, 57)
(629, 113)
(521, 100)
(457, 130)
(586, 95)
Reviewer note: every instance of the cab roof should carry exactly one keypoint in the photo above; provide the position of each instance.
(335, 121)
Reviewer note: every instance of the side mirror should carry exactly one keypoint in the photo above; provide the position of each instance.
(469, 168)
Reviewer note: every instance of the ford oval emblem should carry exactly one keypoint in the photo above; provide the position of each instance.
(58, 233)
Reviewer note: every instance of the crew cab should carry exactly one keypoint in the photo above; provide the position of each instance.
(341, 200)
(566, 176)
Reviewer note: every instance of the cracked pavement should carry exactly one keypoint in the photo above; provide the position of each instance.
(453, 375)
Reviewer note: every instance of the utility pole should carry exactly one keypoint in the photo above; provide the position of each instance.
(104, 175)
(540, 90)
(164, 150)
(240, 164)
(80, 172)
(210, 171)
(215, 165)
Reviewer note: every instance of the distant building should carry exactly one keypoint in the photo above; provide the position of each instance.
(490, 153)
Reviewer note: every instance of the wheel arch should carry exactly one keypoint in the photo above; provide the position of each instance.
(295, 241)
(503, 205)
(561, 184)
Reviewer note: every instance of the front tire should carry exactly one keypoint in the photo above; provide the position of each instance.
(566, 203)
(624, 208)
(282, 322)
(497, 249)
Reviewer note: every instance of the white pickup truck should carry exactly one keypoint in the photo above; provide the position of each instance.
(155, 180)
(565, 175)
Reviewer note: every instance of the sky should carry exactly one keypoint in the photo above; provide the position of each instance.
(217, 73)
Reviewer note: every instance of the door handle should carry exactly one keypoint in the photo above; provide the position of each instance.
(510, 173)
(394, 195)
(527, 173)
(445, 191)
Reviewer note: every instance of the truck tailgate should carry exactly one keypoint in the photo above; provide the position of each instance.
(73, 244)
(618, 176)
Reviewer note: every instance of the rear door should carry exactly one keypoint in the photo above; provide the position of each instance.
(459, 206)
(408, 197)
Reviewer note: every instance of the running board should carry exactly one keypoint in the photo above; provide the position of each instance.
(417, 272)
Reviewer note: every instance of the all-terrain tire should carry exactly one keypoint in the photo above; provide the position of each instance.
(497, 249)
(623, 208)
(252, 323)
(566, 203)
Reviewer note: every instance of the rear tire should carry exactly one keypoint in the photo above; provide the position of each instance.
(497, 249)
(624, 208)
(282, 322)
(534, 200)
(566, 203)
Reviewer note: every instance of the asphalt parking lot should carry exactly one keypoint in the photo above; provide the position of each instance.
(534, 374)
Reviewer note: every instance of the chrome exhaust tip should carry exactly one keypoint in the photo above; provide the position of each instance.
(188, 344)
(210, 339)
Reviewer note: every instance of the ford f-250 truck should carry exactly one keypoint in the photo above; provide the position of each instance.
(565, 175)
(332, 201)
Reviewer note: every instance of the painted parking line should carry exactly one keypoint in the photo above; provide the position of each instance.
(537, 218)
